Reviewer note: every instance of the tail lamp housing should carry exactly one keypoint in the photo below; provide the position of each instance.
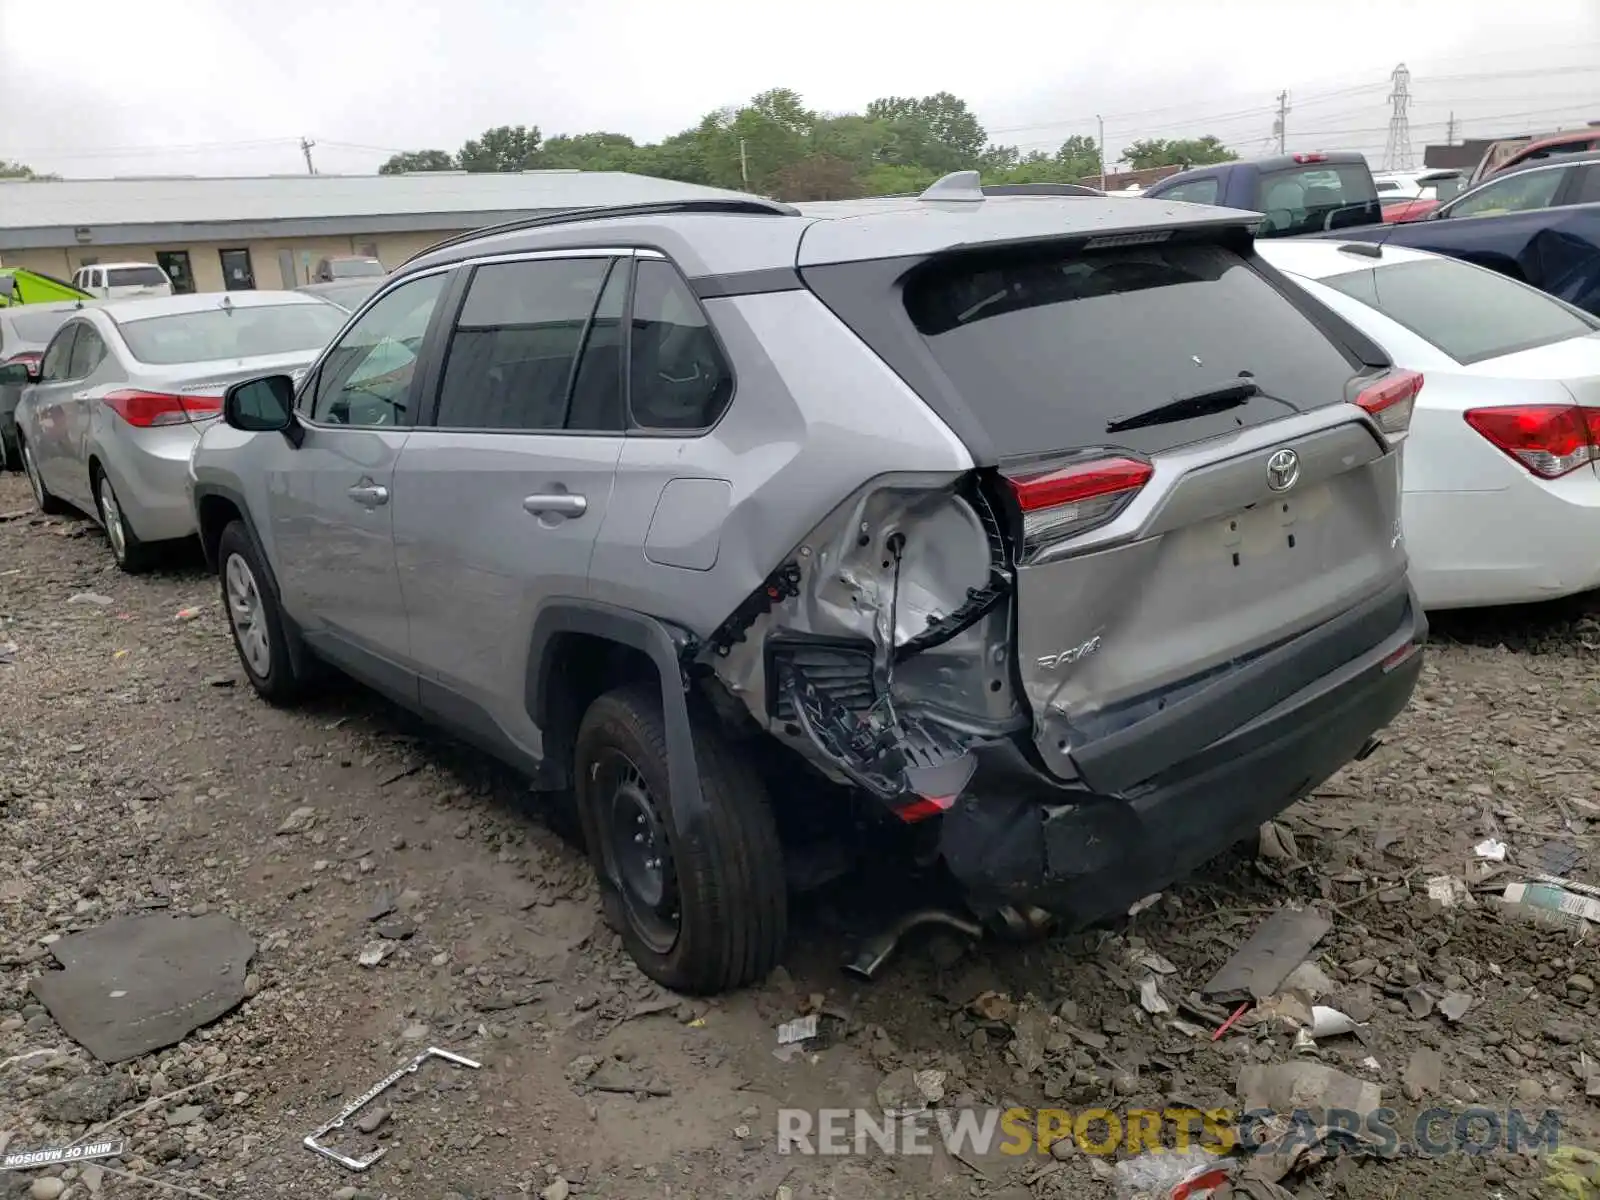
(1548, 440)
(1061, 501)
(1390, 400)
(147, 410)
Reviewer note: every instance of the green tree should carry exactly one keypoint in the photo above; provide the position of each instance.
(939, 131)
(818, 177)
(503, 148)
(418, 160)
(589, 151)
(1181, 152)
(895, 179)
(16, 170)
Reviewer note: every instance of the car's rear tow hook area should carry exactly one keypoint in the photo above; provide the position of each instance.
(1368, 749)
(877, 949)
(1009, 923)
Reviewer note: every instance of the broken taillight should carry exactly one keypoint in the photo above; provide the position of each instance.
(1061, 502)
(1550, 440)
(1390, 401)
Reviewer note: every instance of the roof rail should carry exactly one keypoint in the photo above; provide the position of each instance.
(750, 206)
(1040, 189)
(958, 185)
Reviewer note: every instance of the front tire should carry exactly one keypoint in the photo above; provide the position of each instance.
(132, 555)
(48, 504)
(255, 618)
(697, 918)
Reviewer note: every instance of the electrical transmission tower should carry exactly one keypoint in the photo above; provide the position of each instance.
(1397, 154)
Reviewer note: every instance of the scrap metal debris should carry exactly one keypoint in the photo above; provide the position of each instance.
(310, 1141)
(142, 983)
(1259, 967)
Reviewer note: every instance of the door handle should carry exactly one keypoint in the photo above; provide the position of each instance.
(555, 504)
(370, 494)
(80, 395)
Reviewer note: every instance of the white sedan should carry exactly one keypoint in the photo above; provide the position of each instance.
(1502, 465)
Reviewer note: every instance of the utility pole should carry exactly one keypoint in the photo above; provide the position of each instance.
(305, 148)
(1397, 154)
(744, 166)
(1101, 121)
(1280, 126)
(1450, 131)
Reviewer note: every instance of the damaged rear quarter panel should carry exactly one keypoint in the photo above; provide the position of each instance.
(815, 415)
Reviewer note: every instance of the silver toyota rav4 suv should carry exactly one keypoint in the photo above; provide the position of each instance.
(1060, 534)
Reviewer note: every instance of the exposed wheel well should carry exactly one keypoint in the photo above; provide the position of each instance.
(577, 669)
(215, 514)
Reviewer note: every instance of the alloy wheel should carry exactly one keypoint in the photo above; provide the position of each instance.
(111, 514)
(247, 614)
(32, 470)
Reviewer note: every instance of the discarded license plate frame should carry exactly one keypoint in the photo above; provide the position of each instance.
(32, 1160)
(367, 1097)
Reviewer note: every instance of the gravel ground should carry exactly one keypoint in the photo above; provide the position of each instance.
(138, 772)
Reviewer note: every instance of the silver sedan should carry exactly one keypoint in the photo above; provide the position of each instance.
(124, 390)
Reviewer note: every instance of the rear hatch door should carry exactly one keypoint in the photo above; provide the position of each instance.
(1214, 560)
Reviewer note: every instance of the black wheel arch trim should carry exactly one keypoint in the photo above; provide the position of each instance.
(296, 645)
(665, 645)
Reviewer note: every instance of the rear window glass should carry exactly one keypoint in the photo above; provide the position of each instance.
(134, 276)
(36, 328)
(240, 332)
(1050, 349)
(1316, 197)
(1469, 313)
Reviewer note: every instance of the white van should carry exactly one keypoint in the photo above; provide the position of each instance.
(112, 281)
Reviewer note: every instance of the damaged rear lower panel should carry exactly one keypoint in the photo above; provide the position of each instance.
(880, 649)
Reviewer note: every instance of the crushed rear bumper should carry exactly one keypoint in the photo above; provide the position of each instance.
(1017, 835)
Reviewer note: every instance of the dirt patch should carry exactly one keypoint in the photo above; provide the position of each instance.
(138, 773)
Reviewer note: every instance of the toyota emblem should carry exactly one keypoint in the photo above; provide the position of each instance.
(1283, 470)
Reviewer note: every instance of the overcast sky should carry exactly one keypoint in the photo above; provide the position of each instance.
(205, 87)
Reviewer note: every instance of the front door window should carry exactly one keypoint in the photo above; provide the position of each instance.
(366, 378)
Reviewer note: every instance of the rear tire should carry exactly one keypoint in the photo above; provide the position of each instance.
(10, 452)
(132, 555)
(250, 599)
(48, 504)
(704, 918)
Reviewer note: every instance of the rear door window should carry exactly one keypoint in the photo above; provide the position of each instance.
(513, 355)
(1522, 192)
(59, 355)
(1196, 191)
(1469, 313)
(87, 353)
(1315, 197)
(1049, 348)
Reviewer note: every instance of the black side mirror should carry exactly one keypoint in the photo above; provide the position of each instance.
(17, 374)
(264, 405)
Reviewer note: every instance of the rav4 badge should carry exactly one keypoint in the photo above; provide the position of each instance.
(1066, 658)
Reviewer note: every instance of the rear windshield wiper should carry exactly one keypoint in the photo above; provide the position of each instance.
(1182, 408)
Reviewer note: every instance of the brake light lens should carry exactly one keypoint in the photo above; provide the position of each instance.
(145, 410)
(1062, 502)
(1310, 158)
(1391, 400)
(1550, 440)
